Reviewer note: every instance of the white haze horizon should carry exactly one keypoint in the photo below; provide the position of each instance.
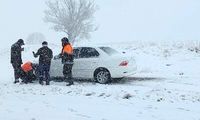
(118, 21)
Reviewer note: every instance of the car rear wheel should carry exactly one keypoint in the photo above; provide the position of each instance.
(102, 76)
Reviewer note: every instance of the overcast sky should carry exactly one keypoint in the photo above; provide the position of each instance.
(118, 20)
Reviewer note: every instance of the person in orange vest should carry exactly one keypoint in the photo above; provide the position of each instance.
(67, 60)
(28, 75)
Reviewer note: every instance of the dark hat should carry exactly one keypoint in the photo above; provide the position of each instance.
(65, 40)
(21, 41)
(45, 43)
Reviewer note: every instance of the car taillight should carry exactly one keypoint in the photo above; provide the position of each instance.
(124, 63)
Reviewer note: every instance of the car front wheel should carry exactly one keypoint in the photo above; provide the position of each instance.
(102, 76)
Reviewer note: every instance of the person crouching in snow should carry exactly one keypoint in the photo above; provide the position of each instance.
(45, 56)
(28, 75)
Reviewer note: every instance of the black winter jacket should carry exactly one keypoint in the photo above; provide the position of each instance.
(16, 54)
(45, 55)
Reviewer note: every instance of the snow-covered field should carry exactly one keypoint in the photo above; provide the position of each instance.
(166, 87)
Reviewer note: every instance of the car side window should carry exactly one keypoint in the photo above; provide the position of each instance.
(76, 53)
(88, 52)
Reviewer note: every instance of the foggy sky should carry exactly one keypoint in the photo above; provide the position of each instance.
(118, 20)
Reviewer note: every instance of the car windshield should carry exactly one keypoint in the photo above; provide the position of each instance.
(108, 50)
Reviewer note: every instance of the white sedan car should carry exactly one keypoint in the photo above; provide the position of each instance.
(98, 63)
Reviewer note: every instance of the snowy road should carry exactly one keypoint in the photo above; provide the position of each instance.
(133, 98)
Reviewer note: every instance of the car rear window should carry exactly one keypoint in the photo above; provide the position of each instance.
(108, 50)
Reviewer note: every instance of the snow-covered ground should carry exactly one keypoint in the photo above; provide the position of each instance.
(166, 87)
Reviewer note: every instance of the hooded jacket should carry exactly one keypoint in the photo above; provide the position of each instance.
(16, 55)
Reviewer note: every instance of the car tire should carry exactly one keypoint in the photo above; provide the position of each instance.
(102, 76)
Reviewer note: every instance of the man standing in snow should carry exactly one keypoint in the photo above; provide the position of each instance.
(45, 55)
(67, 60)
(16, 59)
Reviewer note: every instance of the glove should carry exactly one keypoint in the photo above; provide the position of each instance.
(56, 57)
(34, 54)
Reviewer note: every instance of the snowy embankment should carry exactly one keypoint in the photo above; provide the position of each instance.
(166, 86)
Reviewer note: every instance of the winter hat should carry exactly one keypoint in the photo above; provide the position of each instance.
(21, 41)
(45, 43)
(65, 40)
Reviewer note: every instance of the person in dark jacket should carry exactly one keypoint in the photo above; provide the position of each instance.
(45, 56)
(16, 60)
(67, 60)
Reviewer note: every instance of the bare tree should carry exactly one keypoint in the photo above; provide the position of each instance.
(74, 17)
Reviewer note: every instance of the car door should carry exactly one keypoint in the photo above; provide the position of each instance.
(76, 72)
(86, 62)
(56, 67)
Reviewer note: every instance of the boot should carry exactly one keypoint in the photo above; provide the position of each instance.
(41, 82)
(47, 83)
(31, 81)
(16, 81)
(70, 83)
(24, 81)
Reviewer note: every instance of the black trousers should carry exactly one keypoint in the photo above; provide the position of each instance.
(44, 72)
(17, 71)
(28, 77)
(67, 72)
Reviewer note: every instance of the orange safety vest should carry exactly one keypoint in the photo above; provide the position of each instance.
(27, 67)
(67, 49)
